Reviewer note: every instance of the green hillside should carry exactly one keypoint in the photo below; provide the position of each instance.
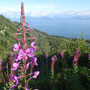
(72, 64)
(45, 42)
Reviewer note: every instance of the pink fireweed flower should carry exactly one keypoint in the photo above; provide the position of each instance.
(17, 47)
(19, 29)
(15, 66)
(76, 57)
(22, 8)
(16, 57)
(17, 39)
(78, 50)
(31, 38)
(46, 55)
(27, 65)
(28, 30)
(61, 53)
(34, 48)
(28, 53)
(27, 88)
(32, 44)
(34, 61)
(53, 59)
(22, 54)
(34, 76)
(36, 73)
(13, 86)
(17, 33)
(89, 56)
(15, 80)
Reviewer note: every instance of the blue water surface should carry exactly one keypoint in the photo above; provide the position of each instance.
(68, 28)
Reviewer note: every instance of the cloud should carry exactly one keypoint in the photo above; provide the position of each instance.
(40, 11)
(35, 14)
(32, 10)
(79, 13)
(44, 13)
(11, 14)
(4, 9)
(85, 13)
(42, 7)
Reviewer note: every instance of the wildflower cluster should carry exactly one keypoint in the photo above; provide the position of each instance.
(24, 58)
(53, 59)
(0, 68)
(89, 56)
(76, 57)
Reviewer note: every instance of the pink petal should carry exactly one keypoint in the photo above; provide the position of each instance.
(32, 44)
(30, 29)
(34, 76)
(36, 73)
(18, 29)
(16, 38)
(16, 46)
(15, 64)
(28, 50)
(31, 38)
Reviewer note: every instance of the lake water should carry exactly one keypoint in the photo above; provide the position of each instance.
(66, 28)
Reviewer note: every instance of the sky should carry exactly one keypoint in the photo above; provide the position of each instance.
(38, 8)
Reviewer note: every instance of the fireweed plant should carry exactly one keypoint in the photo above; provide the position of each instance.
(0, 69)
(89, 56)
(53, 61)
(75, 60)
(24, 57)
(76, 57)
